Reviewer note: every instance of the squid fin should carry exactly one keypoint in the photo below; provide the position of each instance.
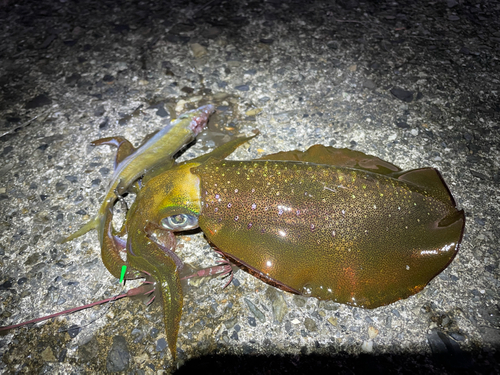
(338, 157)
(429, 180)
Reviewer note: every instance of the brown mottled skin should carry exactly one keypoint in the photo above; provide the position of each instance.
(347, 235)
(365, 235)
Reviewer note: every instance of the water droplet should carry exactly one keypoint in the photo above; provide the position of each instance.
(307, 290)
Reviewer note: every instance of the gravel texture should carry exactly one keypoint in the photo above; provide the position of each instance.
(415, 83)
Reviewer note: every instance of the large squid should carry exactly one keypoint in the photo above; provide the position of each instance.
(334, 224)
(329, 223)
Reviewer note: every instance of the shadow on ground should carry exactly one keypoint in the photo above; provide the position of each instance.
(343, 363)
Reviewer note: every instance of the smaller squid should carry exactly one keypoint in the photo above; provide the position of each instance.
(156, 153)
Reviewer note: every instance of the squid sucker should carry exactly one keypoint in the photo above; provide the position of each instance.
(329, 223)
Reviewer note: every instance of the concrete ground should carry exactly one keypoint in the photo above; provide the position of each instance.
(415, 83)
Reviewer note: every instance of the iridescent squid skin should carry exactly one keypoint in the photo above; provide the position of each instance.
(340, 234)
(353, 229)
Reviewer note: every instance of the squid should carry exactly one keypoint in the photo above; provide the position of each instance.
(155, 154)
(333, 224)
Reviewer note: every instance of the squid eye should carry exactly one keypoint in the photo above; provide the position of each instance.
(180, 222)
